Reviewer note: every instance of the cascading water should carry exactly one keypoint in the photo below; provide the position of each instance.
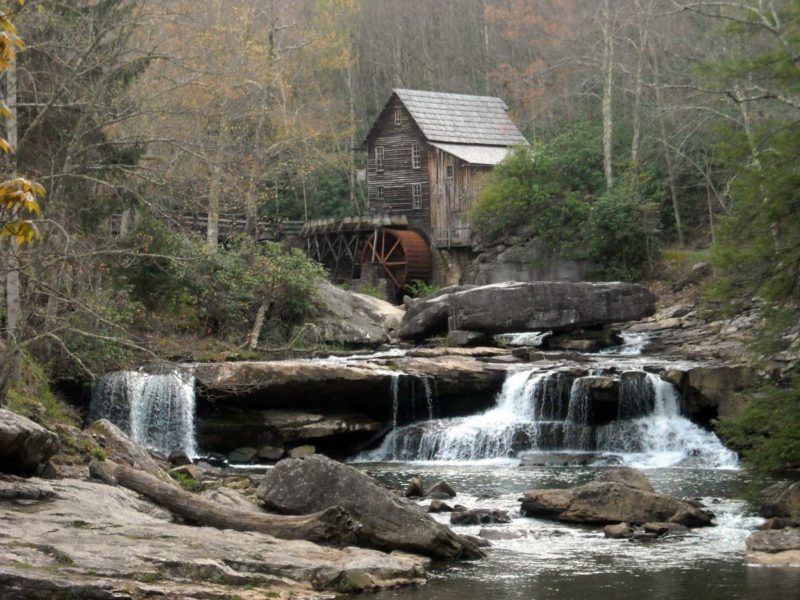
(403, 388)
(663, 437)
(157, 411)
(554, 411)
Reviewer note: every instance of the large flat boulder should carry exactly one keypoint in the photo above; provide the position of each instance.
(97, 541)
(24, 445)
(388, 522)
(537, 306)
(621, 497)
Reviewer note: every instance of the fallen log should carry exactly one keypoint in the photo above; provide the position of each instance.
(333, 526)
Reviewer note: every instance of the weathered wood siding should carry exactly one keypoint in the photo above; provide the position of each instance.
(452, 197)
(398, 175)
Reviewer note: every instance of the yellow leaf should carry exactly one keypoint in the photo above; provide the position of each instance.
(4, 146)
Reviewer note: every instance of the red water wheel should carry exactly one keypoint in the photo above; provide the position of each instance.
(404, 255)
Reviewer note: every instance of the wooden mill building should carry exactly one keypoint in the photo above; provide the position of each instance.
(427, 154)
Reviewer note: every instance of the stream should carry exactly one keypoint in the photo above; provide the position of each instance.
(550, 560)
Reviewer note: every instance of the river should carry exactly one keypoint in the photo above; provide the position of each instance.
(547, 560)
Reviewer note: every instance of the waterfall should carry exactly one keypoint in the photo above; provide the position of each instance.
(157, 411)
(663, 437)
(554, 412)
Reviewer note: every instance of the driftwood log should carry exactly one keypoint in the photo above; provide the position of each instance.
(332, 526)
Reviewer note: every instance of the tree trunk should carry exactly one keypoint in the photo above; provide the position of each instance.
(258, 325)
(215, 186)
(333, 526)
(673, 190)
(608, 88)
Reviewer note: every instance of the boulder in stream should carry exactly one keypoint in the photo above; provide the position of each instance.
(775, 547)
(607, 500)
(388, 522)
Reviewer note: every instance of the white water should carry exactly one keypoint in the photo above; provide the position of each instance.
(157, 411)
(664, 438)
(534, 412)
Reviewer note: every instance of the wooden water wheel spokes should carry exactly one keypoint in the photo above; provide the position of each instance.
(403, 255)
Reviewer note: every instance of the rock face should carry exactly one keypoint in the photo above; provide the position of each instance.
(619, 498)
(776, 547)
(518, 307)
(388, 522)
(351, 318)
(97, 541)
(24, 445)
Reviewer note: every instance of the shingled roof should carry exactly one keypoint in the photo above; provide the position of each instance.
(461, 119)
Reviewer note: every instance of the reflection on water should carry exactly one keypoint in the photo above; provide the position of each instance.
(549, 560)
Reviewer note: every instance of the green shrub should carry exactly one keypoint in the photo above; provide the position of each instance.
(556, 192)
(766, 430)
(99, 454)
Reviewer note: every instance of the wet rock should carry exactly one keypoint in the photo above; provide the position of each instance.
(502, 534)
(643, 536)
(17, 489)
(618, 531)
(270, 453)
(440, 490)
(301, 451)
(627, 476)
(458, 338)
(556, 459)
(611, 502)
(179, 458)
(779, 523)
(518, 307)
(584, 340)
(781, 500)
(25, 446)
(414, 488)
(388, 522)
(479, 516)
(123, 450)
(438, 506)
(101, 542)
(692, 517)
(479, 541)
(665, 528)
(776, 547)
(242, 455)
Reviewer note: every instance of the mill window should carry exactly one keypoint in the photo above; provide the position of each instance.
(379, 158)
(416, 195)
(448, 171)
(380, 193)
(397, 117)
(415, 157)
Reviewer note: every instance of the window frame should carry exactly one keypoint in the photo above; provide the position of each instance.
(416, 157)
(397, 116)
(381, 193)
(379, 159)
(449, 171)
(416, 196)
